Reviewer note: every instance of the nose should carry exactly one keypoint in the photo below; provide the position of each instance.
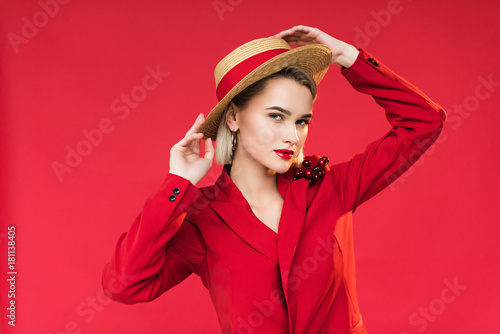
(291, 135)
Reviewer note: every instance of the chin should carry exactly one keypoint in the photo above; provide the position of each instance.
(280, 168)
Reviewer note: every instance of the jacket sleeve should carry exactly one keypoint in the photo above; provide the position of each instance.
(161, 248)
(416, 123)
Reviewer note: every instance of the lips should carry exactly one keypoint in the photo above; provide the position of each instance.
(284, 154)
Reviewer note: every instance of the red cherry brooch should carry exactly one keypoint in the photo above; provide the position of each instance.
(310, 171)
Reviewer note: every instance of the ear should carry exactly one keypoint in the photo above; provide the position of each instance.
(231, 121)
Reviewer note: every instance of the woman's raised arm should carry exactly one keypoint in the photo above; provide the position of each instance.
(343, 54)
(162, 247)
(415, 119)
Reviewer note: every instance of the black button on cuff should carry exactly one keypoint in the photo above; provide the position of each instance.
(172, 198)
(177, 191)
(371, 60)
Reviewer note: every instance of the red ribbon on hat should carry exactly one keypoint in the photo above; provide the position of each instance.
(237, 73)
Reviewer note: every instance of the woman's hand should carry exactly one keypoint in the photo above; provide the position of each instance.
(185, 159)
(343, 54)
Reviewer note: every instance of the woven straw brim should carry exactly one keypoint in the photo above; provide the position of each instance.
(314, 59)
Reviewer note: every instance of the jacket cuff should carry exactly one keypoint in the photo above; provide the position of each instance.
(364, 59)
(176, 191)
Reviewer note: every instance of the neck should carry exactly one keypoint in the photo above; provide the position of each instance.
(255, 181)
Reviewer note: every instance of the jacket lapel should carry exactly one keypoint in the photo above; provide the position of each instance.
(233, 209)
(291, 222)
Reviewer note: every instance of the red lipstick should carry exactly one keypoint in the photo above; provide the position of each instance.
(284, 154)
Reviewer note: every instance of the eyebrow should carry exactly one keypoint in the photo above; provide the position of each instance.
(287, 112)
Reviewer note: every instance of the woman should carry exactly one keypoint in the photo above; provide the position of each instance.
(272, 238)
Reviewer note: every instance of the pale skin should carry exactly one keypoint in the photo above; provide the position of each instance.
(276, 119)
(255, 162)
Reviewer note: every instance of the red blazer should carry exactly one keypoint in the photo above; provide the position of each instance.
(301, 280)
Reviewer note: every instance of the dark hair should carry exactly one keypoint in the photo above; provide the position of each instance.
(292, 72)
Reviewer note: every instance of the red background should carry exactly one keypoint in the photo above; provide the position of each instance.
(438, 224)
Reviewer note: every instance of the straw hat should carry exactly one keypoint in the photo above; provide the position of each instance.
(256, 60)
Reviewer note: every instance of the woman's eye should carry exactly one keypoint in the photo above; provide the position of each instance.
(279, 117)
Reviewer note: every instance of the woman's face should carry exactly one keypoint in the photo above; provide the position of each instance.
(273, 127)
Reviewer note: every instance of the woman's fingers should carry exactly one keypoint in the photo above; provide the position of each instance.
(196, 125)
(188, 139)
(192, 137)
(297, 31)
(209, 150)
(300, 35)
(283, 33)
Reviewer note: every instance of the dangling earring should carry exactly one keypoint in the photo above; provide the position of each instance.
(233, 140)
